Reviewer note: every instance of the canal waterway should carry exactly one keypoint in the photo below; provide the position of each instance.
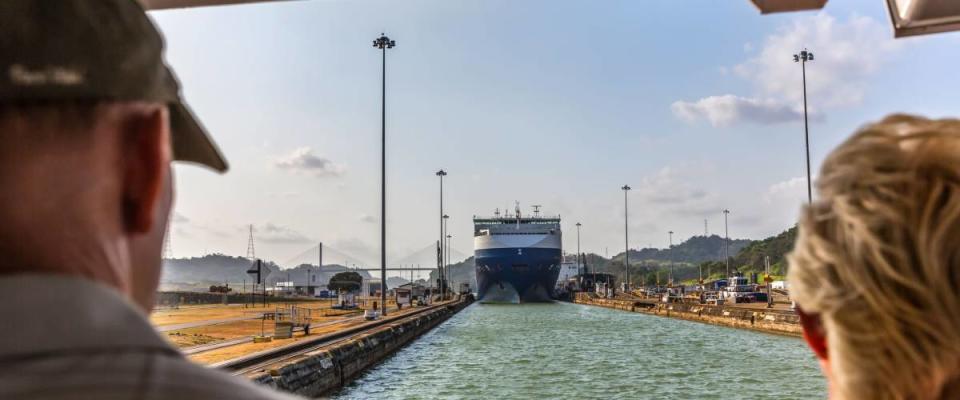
(563, 350)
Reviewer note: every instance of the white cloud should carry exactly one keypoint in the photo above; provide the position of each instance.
(270, 233)
(302, 160)
(845, 53)
(287, 195)
(729, 109)
(178, 218)
(669, 190)
(789, 190)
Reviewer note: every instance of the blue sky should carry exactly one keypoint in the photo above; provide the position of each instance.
(695, 104)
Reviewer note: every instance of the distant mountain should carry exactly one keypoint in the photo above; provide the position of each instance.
(394, 281)
(751, 258)
(694, 250)
(463, 271)
(685, 260)
(197, 273)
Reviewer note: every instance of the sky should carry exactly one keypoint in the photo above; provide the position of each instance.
(697, 105)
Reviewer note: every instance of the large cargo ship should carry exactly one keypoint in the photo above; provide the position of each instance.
(517, 257)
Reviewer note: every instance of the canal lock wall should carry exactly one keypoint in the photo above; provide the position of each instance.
(770, 321)
(335, 366)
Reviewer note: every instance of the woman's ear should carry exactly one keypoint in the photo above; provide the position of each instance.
(146, 163)
(813, 333)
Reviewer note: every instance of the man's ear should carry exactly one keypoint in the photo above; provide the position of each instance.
(813, 333)
(146, 163)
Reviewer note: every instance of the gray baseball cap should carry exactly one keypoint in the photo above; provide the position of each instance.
(95, 50)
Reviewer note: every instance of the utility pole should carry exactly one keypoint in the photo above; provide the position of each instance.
(726, 242)
(383, 43)
(579, 265)
(444, 289)
(441, 173)
(446, 269)
(626, 235)
(671, 257)
(802, 58)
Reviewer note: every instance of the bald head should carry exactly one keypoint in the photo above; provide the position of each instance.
(86, 191)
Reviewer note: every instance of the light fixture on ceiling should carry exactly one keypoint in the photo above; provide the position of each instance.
(166, 4)
(922, 17)
(777, 6)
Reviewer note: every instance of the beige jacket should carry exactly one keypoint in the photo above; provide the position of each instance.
(71, 338)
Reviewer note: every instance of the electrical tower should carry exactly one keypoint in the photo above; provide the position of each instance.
(167, 252)
(251, 254)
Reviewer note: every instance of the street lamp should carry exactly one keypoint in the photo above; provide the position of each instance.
(803, 58)
(626, 235)
(443, 275)
(671, 257)
(441, 173)
(579, 265)
(446, 268)
(383, 43)
(726, 241)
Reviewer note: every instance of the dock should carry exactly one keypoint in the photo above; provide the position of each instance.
(752, 316)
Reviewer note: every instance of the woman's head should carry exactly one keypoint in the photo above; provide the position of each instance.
(877, 261)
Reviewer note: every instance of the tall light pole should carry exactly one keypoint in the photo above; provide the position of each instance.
(726, 241)
(626, 235)
(446, 269)
(671, 257)
(803, 58)
(383, 43)
(441, 173)
(446, 263)
(579, 264)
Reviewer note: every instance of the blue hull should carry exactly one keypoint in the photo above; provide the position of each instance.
(517, 275)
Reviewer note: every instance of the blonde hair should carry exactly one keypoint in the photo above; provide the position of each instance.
(878, 258)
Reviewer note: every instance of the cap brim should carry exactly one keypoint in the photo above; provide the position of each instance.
(191, 142)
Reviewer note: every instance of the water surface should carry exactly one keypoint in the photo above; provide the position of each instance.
(563, 350)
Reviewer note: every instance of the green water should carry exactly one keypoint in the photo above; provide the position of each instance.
(562, 350)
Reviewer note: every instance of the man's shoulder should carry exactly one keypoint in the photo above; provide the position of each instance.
(122, 375)
(180, 377)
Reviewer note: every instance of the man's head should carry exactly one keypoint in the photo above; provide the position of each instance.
(87, 191)
(90, 119)
(876, 268)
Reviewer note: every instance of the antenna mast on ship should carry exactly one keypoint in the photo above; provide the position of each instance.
(517, 211)
(536, 210)
(496, 213)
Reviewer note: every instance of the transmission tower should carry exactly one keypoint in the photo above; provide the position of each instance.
(251, 254)
(167, 252)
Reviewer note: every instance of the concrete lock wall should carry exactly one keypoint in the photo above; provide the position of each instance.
(179, 298)
(333, 367)
(771, 321)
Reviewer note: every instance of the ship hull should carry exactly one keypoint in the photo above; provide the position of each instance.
(517, 274)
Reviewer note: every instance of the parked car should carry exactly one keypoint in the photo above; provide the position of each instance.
(712, 298)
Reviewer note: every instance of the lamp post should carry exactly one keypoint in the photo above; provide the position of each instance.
(579, 265)
(626, 235)
(803, 58)
(671, 257)
(383, 43)
(441, 173)
(446, 242)
(726, 241)
(446, 268)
